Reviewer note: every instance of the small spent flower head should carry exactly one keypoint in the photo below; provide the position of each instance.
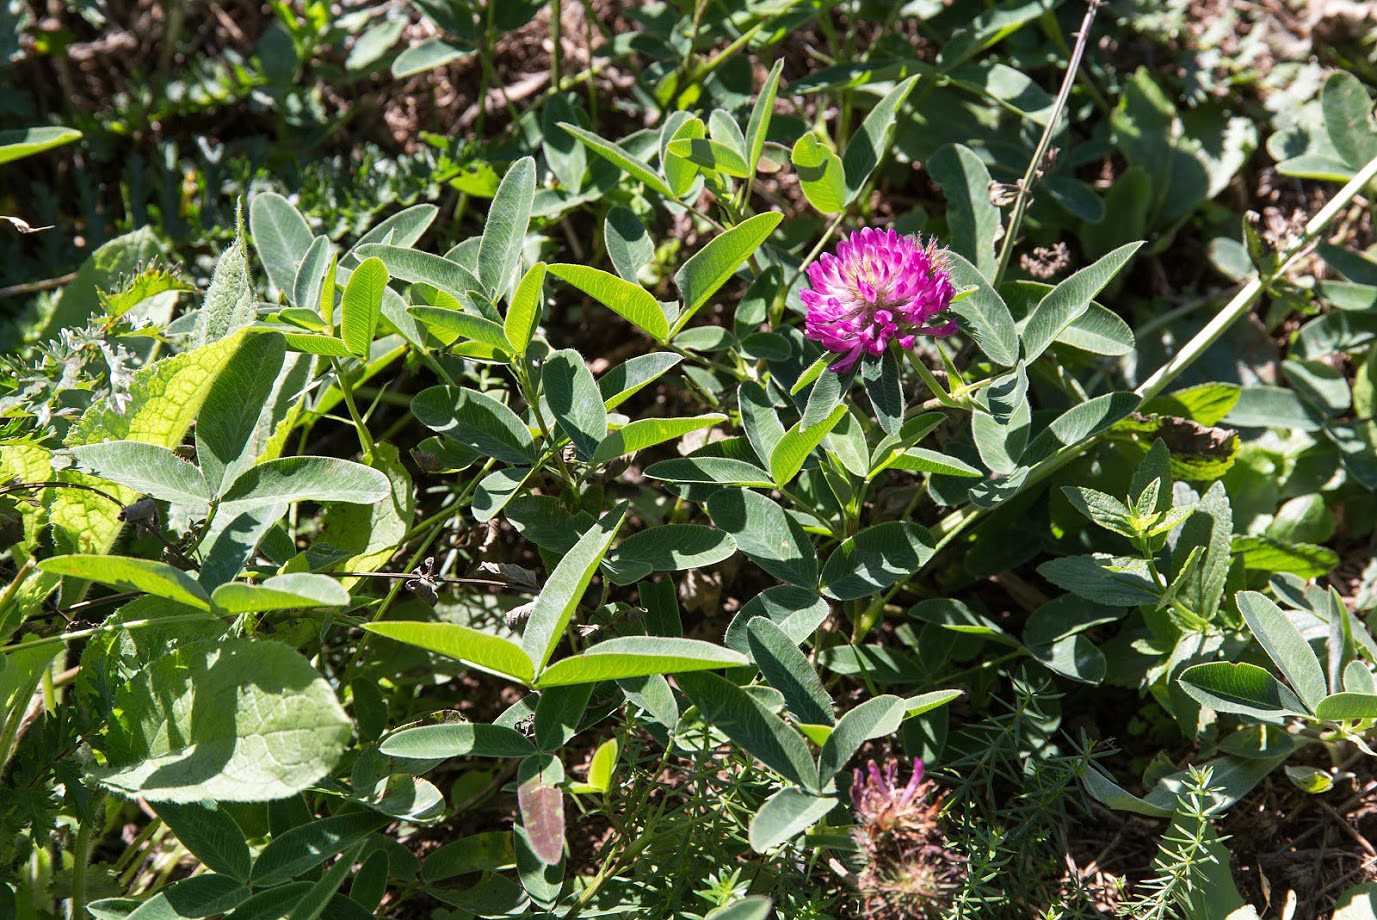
(879, 287)
(906, 871)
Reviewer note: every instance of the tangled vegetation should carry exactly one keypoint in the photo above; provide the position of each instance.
(701, 458)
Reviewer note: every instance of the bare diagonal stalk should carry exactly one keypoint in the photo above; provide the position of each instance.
(1025, 186)
(948, 527)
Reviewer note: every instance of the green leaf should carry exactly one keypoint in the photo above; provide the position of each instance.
(574, 400)
(751, 907)
(926, 702)
(758, 127)
(789, 672)
(527, 304)
(130, 574)
(423, 267)
(456, 739)
(25, 142)
(973, 220)
(872, 141)
(630, 301)
(798, 442)
(567, 158)
(485, 852)
(679, 172)
(147, 469)
(1113, 580)
(985, 316)
(874, 559)
(281, 592)
(875, 718)
(427, 55)
(555, 605)
(774, 540)
(710, 267)
(401, 229)
(760, 418)
(1241, 689)
(238, 720)
(205, 895)
(1284, 643)
(451, 325)
(1100, 332)
(797, 611)
(1111, 794)
(785, 815)
(321, 893)
(952, 614)
(922, 460)
(558, 712)
(309, 280)
(499, 251)
(628, 245)
(629, 164)
(281, 237)
(1343, 706)
(603, 763)
(1261, 554)
(746, 721)
(294, 479)
(884, 385)
(820, 174)
(496, 489)
(626, 379)
(638, 656)
(324, 345)
(484, 651)
(1358, 679)
(1347, 109)
(273, 903)
(362, 305)
(647, 432)
(211, 835)
(668, 548)
(1069, 299)
(229, 301)
(297, 851)
(232, 428)
(1105, 510)
(718, 470)
(477, 421)
(710, 154)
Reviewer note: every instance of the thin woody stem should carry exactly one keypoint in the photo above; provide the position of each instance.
(1025, 185)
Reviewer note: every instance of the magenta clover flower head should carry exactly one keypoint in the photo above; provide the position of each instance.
(879, 287)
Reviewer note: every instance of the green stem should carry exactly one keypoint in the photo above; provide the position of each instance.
(1025, 186)
(347, 391)
(81, 856)
(88, 633)
(938, 391)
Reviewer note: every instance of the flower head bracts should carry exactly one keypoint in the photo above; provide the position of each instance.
(878, 288)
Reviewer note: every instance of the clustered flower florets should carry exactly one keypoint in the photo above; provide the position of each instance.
(906, 871)
(879, 287)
